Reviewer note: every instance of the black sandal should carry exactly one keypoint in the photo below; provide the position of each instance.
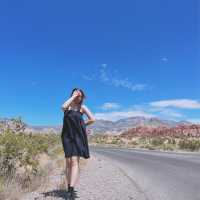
(72, 194)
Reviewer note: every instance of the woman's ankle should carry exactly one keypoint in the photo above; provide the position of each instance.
(71, 188)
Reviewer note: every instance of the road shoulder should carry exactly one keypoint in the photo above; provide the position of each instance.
(102, 179)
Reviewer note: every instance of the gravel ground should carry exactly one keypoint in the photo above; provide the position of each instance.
(99, 180)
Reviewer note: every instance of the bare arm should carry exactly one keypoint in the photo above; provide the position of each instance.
(91, 118)
(67, 103)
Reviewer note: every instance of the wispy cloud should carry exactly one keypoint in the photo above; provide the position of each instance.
(110, 78)
(178, 103)
(143, 110)
(110, 106)
(161, 112)
(171, 109)
(164, 59)
(127, 84)
(169, 113)
(89, 78)
(116, 115)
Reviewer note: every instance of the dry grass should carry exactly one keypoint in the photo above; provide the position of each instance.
(24, 182)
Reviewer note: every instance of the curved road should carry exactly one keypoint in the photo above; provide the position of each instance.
(159, 175)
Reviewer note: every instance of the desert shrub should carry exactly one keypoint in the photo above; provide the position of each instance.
(134, 142)
(171, 141)
(148, 146)
(167, 147)
(13, 124)
(189, 144)
(101, 139)
(116, 141)
(143, 140)
(22, 149)
(156, 141)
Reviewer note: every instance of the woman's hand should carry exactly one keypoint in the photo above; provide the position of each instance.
(67, 103)
(76, 93)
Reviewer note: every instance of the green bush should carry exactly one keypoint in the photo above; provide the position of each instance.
(143, 140)
(116, 141)
(192, 145)
(22, 148)
(167, 147)
(157, 141)
(171, 141)
(147, 146)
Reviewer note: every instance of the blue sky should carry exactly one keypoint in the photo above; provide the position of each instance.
(132, 58)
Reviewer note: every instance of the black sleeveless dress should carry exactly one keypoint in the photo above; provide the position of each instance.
(74, 136)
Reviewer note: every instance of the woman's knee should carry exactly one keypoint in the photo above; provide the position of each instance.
(74, 160)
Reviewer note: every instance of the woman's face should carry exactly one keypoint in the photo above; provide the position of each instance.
(78, 98)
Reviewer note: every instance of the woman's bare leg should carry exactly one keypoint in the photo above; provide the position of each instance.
(67, 171)
(77, 180)
(74, 170)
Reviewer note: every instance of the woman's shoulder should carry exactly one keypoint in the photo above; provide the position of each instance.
(84, 106)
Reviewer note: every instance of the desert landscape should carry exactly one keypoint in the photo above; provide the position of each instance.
(32, 162)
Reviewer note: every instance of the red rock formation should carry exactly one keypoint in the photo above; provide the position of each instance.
(178, 131)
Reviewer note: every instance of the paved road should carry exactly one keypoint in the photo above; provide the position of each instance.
(159, 175)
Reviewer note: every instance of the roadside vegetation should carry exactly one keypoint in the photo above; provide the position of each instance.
(151, 143)
(25, 159)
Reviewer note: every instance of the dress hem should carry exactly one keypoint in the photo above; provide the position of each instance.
(68, 156)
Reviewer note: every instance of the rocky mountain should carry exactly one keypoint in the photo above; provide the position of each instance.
(119, 126)
(192, 130)
(104, 126)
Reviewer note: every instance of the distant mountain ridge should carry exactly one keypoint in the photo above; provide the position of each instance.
(108, 127)
(180, 130)
(117, 127)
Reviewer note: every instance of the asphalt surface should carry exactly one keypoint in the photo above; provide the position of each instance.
(158, 175)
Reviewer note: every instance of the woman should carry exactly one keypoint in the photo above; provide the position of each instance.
(74, 136)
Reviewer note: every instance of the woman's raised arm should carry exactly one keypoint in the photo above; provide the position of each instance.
(67, 103)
